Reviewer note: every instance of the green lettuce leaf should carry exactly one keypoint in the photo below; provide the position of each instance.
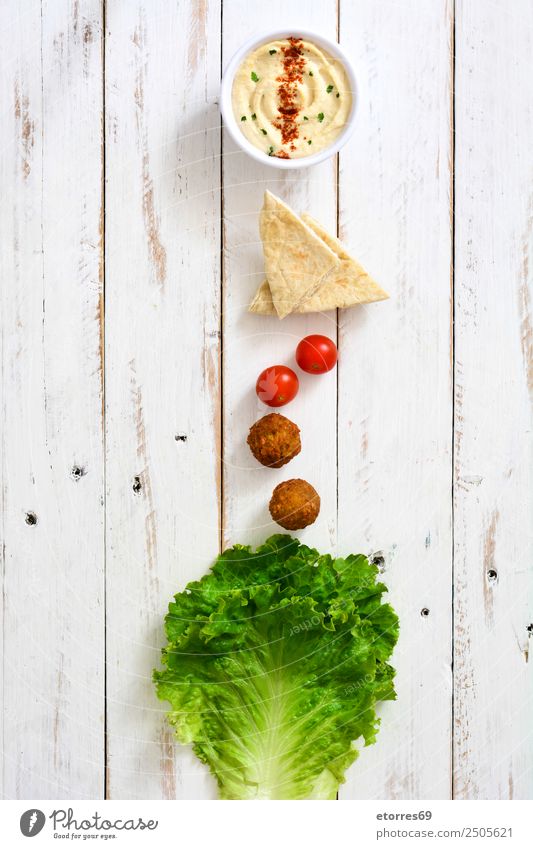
(275, 661)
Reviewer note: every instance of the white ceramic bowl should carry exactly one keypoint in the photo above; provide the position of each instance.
(226, 107)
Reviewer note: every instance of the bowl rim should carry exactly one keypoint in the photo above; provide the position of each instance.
(226, 87)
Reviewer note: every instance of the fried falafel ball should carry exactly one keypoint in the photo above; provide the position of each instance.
(274, 440)
(294, 504)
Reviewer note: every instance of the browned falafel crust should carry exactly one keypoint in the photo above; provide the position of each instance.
(274, 440)
(294, 504)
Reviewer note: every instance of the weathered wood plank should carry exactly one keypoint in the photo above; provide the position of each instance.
(395, 375)
(162, 355)
(493, 485)
(51, 283)
(253, 342)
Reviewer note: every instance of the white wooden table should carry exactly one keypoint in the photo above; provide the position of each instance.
(130, 250)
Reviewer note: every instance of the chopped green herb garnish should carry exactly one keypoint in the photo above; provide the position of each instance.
(264, 132)
(243, 117)
(329, 89)
(254, 116)
(272, 52)
(311, 74)
(320, 116)
(254, 77)
(306, 118)
(310, 142)
(338, 94)
(270, 150)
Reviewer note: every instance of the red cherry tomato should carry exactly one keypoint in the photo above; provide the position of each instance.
(316, 354)
(277, 386)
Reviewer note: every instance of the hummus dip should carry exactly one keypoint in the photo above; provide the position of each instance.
(291, 98)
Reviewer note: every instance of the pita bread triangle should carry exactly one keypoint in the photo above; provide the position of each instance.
(353, 284)
(296, 258)
(262, 303)
(344, 286)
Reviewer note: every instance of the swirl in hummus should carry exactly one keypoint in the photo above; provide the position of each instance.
(290, 98)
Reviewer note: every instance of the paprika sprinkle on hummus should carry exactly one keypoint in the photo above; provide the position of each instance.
(289, 108)
(290, 98)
